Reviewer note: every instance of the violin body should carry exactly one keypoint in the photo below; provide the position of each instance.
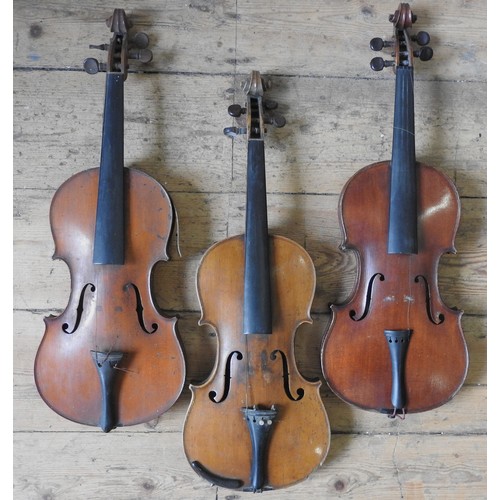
(111, 359)
(110, 309)
(395, 347)
(394, 291)
(265, 373)
(256, 424)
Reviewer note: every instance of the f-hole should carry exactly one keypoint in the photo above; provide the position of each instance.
(286, 377)
(79, 309)
(430, 314)
(227, 378)
(140, 311)
(368, 299)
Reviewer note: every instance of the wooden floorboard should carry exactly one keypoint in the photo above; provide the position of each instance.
(339, 119)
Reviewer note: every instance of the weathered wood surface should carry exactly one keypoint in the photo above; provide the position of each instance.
(339, 119)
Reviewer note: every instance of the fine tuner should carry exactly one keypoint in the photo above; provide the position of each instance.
(404, 53)
(124, 48)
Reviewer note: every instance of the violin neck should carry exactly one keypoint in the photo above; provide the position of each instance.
(109, 241)
(403, 193)
(257, 317)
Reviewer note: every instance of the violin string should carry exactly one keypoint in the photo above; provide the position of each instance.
(97, 308)
(247, 374)
(410, 297)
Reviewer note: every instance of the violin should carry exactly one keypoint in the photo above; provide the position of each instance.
(110, 359)
(255, 424)
(394, 346)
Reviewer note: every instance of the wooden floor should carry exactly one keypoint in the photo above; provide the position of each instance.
(339, 119)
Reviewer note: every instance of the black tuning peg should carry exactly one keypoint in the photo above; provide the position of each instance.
(142, 55)
(276, 120)
(378, 64)
(422, 38)
(102, 46)
(271, 116)
(140, 40)
(92, 66)
(425, 53)
(234, 131)
(377, 44)
(269, 104)
(235, 110)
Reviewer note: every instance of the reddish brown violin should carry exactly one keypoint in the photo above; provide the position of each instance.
(111, 359)
(395, 347)
(256, 424)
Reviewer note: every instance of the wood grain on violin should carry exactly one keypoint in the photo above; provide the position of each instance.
(395, 347)
(110, 359)
(256, 424)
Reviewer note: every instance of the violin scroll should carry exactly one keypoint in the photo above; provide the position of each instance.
(403, 17)
(121, 48)
(262, 111)
(401, 42)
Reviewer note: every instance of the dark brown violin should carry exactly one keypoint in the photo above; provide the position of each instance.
(395, 347)
(256, 424)
(110, 359)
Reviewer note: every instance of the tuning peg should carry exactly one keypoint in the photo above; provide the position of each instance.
(377, 44)
(234, 131)
(140, 40)
(422, 38)
(235, 110)
(270, 104)
(275, 119)
(92, 66)
(103, 46)
(378, 64)
(425, 53)
(143, 55)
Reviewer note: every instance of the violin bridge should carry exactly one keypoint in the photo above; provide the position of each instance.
(260, 423)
